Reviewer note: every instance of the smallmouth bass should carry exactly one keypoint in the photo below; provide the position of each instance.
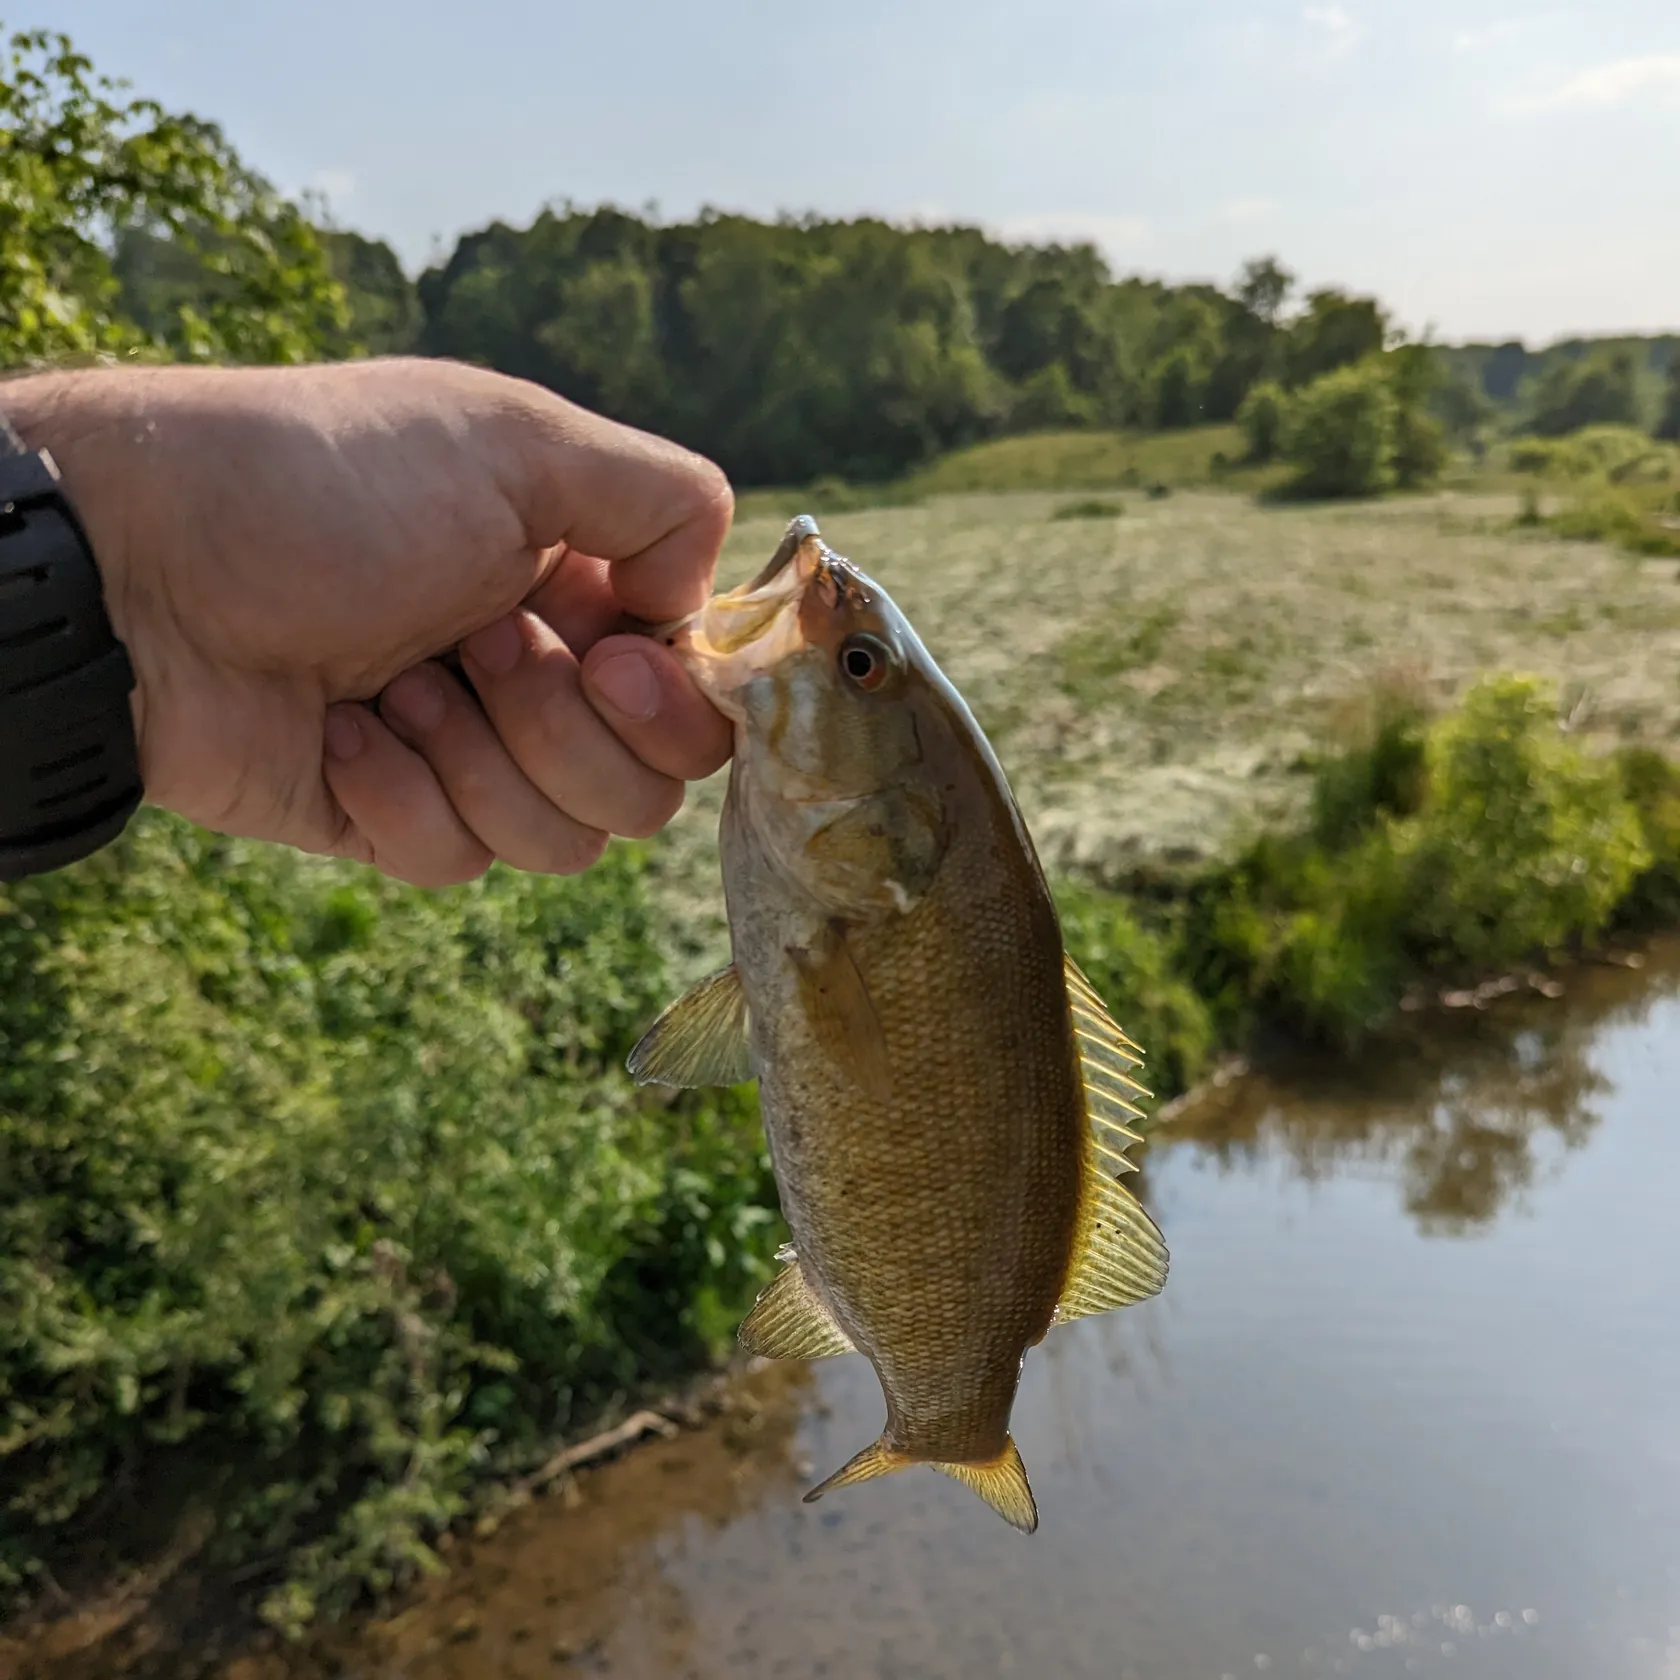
(946, 1099)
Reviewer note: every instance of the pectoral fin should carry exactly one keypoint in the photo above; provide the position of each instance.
(842, 1013)
(790, 1321)
(1120, 1256)
(700, 1040)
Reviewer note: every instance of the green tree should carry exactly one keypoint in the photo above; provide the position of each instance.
(1263, 289)
(1594, 390)
(1334, 331)
(1342, 433)
(1263, 418)
(1668, 422)
(82, 167)
(1420, 440)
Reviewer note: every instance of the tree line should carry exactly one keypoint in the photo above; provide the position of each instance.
(786, 349)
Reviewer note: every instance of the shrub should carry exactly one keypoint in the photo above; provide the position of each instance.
(1524, 845)
(342, 1183)
(1342, 433)
(1262, 417)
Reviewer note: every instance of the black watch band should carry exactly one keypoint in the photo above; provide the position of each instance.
(69, 766)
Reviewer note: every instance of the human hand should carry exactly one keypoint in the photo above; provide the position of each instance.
(286, 551)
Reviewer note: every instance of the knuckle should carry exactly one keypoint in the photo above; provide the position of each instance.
(657, 805)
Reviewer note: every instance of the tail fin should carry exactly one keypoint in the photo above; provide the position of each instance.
(1001, 1482)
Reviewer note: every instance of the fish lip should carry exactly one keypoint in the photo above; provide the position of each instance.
(798, 533)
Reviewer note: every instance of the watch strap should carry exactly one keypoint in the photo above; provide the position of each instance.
(69, 764)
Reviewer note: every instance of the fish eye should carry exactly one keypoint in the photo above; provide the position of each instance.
(866, 661)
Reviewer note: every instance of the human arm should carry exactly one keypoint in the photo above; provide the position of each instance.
(286, 551)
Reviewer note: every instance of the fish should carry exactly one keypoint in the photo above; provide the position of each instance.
(948, 1104)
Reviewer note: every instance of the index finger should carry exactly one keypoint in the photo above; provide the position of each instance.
(658, 513)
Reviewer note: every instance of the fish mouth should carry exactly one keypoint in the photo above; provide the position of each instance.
(746, 631)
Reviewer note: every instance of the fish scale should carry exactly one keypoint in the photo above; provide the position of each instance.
(945, 1097)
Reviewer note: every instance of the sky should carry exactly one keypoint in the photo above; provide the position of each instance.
(1489, 168)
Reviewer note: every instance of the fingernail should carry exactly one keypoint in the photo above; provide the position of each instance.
(416, 699)
(627, 683)
(495, 648)
(344, 735)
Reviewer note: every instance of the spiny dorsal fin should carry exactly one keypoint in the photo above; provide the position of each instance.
(1119, 1256)
(1002, 1484)
(789, 1321)
(700, 1040)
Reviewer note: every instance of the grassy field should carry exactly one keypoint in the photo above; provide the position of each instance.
(1152, 681)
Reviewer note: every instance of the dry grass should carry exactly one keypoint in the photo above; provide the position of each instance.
(1151, 683)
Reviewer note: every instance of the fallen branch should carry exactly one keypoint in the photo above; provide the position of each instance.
(597, 1447)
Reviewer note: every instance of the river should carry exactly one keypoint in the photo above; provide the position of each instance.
(1410, 1404)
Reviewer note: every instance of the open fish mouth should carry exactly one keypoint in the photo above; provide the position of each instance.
(750, 629)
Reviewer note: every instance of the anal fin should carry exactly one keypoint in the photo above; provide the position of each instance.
(701, 1039)
(877, 1459)
(790, 1321)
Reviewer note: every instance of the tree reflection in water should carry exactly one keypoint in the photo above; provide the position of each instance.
(1466, 1108)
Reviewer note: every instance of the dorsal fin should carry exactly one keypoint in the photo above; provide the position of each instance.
(790, 1321)
(1119, 1254)
(700, 1040)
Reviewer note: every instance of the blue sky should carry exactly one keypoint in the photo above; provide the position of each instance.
(1487, 166)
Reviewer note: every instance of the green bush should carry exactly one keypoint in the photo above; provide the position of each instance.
(1262, 417)
(343, 1184)
(1342, 433)
(1524, 845)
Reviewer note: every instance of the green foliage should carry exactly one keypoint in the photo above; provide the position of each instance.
(1620, 454)
(341, 1183)
(1651, 784)
(1342, 433)
(1264, 420)
(1527, 845)
(1668, 421)
(1334, 331)
(1451, 850)
(82, 166)
(1596, 390)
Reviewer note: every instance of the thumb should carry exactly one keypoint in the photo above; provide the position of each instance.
(657, 513)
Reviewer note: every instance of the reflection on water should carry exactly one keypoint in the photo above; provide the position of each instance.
(1462, 1114)
(1337, 1445)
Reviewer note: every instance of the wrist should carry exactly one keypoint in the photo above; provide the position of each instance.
(69, 771)
(90, 424)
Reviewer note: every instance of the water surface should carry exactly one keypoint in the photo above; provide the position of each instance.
(1409, 1405)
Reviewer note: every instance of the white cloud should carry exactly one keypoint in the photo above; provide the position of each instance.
(1490, 35)
(1109, 232)
(336, 186)
(1339, 30)
(1239, 212)
(1606, 85)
